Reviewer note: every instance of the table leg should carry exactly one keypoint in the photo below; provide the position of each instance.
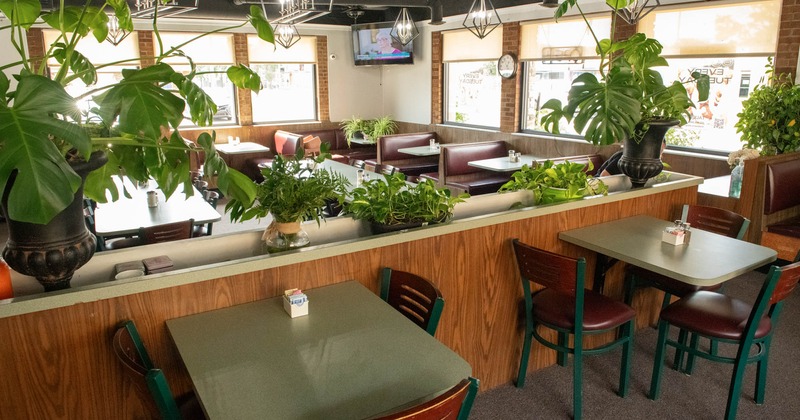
(603, 264)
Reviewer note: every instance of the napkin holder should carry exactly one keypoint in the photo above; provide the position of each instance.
(673, 236)
(295, 303)
(159, 264)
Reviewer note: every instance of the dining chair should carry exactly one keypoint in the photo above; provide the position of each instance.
(150, 382)
(387, 169)
(201, 185)
(312, 146)
(565, 306)
(413, 296)
(166, 232)
(724, 319)
(212, 198)
(711, 219)
(454, 404)
(358, 163)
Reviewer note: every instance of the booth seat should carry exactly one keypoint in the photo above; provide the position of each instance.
(781, 206)
(284, 143)
(409, 165)
(456, 174)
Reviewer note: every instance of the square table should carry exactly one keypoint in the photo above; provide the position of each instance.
(708, 258)
(421, 150)
(504, 164)
(246, 147)
(352, 357)
(361, 140)
(126, 215)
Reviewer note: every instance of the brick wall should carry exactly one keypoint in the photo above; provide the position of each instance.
(436, 77)
(788, 38)
(147, 49)
(510, 88)
(323, 98)
(623, 30)
(35, 47)
(244, 100)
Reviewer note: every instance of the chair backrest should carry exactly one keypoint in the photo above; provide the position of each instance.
(166, 232)
(201, 185)
(780, 282)
(287, 143)
(549, 269)
(413, 296)
(358, 163)
(211, 197)
(453, 404)
(148, 381)
(713, 219)
(312, 146)
(388, 169)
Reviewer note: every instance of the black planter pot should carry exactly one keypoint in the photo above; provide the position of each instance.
(378, 228)
(52, 252)
(642, 160)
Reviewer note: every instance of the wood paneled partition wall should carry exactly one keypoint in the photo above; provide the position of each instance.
(59, 363)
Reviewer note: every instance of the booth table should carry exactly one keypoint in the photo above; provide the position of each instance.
(421, 150)
(352, 357)
(504, 164)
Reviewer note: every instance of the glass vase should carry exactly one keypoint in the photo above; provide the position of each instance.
(280, 237)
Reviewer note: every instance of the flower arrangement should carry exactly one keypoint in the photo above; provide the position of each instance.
(743, 154)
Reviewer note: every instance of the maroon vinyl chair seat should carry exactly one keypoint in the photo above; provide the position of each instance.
(713, 315)
(555, 308)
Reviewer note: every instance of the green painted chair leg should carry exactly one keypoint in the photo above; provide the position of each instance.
(577, 383)
(627, 357)
(736, 387)
(523, 361)
(658, 362)
(761, 374)
(676, 365)
(666, 301)
(694, 343)
(563, 340)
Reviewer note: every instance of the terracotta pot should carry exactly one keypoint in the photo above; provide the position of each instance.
(53, 251)
(642, 160)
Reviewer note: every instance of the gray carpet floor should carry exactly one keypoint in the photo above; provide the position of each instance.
(703, 395)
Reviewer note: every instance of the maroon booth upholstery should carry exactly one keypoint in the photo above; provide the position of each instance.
(388, 153)
(456, 173)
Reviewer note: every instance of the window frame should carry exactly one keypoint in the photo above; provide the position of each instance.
(446, 99)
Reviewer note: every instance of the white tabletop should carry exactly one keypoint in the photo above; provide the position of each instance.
(707, 260)
(719, 186)
(504, 164)
(126, 215)
(245, 147)
(421, 150)
(352, 357)
(359, 140)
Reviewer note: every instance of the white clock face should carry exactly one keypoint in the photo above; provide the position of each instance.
(507, 66)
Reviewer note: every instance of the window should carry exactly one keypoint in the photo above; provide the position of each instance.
(289, 92)
(471, 82)
(710, 39)
(553, 55)
(212, 55)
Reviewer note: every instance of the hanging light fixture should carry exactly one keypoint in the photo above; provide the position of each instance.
(146, 9)
(115, 34)
(286, 35)
(482, 20)
(404, 29)
(637, 9)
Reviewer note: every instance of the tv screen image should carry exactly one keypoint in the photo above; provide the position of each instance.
(373, 46)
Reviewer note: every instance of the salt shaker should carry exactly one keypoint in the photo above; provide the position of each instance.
(433, 144)
(359, 176)
(511, 155)
(152, 199)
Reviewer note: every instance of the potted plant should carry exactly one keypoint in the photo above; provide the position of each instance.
(381, 127)
(391, 204)
(292, 191)
(769, 118)
(553, 183)
(354, 128)
(48, 160)
(630, 102)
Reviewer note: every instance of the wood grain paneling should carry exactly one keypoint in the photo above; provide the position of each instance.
(59, 363)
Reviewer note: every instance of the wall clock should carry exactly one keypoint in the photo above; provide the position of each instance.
(507, 66)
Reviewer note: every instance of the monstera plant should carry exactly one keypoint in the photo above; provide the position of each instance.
(42, 137)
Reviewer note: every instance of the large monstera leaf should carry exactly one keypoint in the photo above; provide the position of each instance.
(22, 12)
(141, 103)
(44, 184)
(606, 112)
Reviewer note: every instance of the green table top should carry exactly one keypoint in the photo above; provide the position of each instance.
(352, 357)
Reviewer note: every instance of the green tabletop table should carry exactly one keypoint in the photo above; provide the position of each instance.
(352, 357)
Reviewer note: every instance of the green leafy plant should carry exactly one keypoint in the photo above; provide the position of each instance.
(381, 127)
(371, 130)
(769, 118)
(41, 127)
(292, 190)
(551, 183)
(630, 92)
(392, 201)
(353, 128)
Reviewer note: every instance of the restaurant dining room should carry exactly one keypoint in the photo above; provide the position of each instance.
(399, 209)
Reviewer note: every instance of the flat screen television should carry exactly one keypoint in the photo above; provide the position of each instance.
(373, 46)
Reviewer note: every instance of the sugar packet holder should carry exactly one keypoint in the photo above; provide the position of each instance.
(295, 302)
(676, 235)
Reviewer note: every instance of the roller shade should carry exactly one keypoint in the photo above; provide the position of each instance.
(100, 53)
(463, 45)
(565, 39)
(260, 51)
(210, 49)
(716, 29)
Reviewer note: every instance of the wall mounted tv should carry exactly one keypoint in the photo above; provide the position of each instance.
(373, 46)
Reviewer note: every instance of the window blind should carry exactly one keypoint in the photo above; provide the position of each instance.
(210, 49)
(100, 53)
(463, 45)
(565, 39)
(260, 51)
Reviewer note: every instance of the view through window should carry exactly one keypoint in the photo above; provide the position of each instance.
(288, 93)
(473, 93)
